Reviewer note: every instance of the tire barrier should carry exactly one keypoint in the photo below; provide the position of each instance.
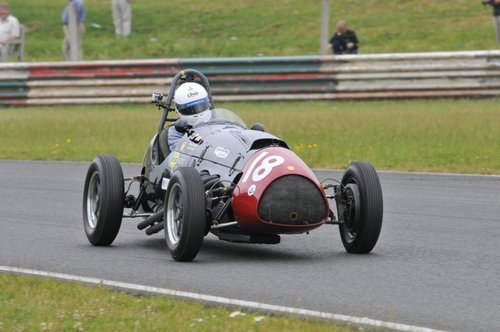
(370, 76)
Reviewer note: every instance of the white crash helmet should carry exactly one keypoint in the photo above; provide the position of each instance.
(192, 103)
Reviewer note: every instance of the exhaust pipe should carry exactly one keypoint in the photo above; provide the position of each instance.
(155, 228)
(151, 220)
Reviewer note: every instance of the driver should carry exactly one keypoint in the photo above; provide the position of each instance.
(193, 105)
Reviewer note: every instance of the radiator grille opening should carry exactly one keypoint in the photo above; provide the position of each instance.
(292, 200)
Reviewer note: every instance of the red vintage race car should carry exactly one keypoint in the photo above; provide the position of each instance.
(241, 184)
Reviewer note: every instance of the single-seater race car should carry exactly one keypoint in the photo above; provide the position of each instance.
(240, 184)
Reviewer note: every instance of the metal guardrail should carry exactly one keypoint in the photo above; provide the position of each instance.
(410, 75)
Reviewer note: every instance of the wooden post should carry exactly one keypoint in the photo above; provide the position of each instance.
(74, 49)
(325, 25)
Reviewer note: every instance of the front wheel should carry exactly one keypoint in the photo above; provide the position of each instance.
(103, 200)
(184, 215)
(362, 208)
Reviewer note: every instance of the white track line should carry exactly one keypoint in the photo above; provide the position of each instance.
(223, 300)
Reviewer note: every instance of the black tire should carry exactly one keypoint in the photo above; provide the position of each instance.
(185, 216)
(363, 218)
(103, 200)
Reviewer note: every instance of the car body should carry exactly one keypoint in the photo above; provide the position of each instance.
(241, 184)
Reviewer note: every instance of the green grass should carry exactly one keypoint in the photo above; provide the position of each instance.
(436, 135)
(176, 28)
(36, 304)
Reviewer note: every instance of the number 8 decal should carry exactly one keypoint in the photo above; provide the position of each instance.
(264, 168)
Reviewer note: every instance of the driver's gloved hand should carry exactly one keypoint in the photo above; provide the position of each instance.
(182, 126)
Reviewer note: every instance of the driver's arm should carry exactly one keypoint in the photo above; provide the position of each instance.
(173, 136)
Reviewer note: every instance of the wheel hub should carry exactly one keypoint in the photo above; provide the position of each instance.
(174, 216)
(352, 212)
(93, 200)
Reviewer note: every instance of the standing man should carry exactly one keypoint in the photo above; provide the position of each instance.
(122, 17)
(80, 19)
(9, 30)
(344, 40)
(496, 16)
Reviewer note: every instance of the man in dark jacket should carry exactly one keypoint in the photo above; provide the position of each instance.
(344, 41)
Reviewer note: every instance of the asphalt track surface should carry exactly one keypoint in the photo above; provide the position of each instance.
(436, 265)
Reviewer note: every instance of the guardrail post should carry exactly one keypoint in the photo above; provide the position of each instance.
(325, 25)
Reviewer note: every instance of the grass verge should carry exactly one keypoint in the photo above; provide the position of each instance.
(218, 28)
(30, 304)
(460, 136)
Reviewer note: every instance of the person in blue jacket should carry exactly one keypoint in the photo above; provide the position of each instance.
(80, 19)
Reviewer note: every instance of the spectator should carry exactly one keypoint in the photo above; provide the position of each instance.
(80, 19)
(122, 17)
(344, 40)
(9, 29)
(496, 17)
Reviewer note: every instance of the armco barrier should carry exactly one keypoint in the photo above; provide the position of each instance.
(411, 75)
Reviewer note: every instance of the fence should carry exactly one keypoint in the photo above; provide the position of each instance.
(412, 75)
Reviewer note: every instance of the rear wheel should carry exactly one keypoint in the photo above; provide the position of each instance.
(103, 200)
(363, 208)
(185, 217)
